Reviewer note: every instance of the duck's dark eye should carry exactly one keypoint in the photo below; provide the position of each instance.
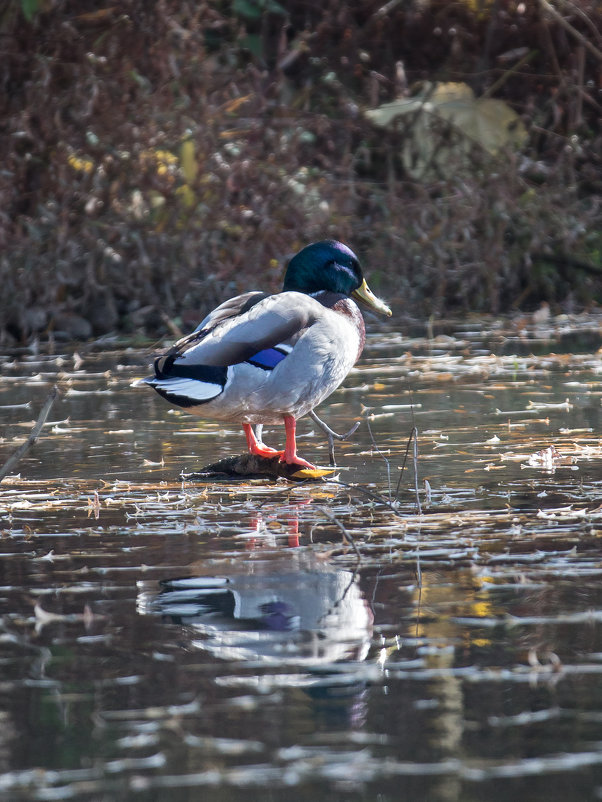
(356, 270)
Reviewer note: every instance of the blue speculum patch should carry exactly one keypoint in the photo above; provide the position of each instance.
(267, 359)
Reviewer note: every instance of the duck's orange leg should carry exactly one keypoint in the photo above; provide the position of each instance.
(290, 448)
(257, 448)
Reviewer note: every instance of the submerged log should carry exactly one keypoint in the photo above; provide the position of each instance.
(251, 466)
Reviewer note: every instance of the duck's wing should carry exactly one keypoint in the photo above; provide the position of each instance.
(196, 367)
(270, 322)
(230, 308)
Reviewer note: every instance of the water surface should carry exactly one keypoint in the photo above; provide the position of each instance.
(164, 638)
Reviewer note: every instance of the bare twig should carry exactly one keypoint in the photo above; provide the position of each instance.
(370, 493)
(569, 28)
(332, 435)
(419, 574)
(413, 438)
(490, 33)
(419, 583)
(415, 454)
(378, 451)
(403, 464)
(578, 112)
(574, 7)
(507, 74)
(172, 326)
(346, 536)
(35, 432)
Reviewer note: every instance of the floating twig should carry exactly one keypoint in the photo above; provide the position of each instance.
(370, 493)
(12, 461)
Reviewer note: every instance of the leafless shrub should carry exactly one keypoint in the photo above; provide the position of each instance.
(161, 156)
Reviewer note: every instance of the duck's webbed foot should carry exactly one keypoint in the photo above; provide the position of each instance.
(295, 459)
(256, 446)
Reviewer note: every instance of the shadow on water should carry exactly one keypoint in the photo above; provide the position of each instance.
(161, 637)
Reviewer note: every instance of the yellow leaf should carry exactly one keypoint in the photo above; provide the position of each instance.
(188, 162)
(82, 165)
(311, 473)
(187, 195)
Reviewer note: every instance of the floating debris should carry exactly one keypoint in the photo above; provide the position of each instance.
(549, 459)
(243, 634)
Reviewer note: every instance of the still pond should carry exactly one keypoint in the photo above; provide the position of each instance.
(163, 637)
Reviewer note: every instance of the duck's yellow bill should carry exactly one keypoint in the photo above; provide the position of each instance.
(365, 295)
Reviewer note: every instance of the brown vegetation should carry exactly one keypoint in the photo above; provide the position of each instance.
(159, 156)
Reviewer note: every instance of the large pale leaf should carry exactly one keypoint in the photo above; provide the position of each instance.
(490, 124)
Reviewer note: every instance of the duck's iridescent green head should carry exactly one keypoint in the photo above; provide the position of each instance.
(329, 265)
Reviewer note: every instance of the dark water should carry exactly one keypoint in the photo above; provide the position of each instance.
(166, 639)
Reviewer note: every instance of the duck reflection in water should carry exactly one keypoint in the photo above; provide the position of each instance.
(280, 610)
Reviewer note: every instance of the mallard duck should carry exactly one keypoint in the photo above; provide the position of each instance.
(266, 359)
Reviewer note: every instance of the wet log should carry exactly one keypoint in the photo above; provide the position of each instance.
(251, 466)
